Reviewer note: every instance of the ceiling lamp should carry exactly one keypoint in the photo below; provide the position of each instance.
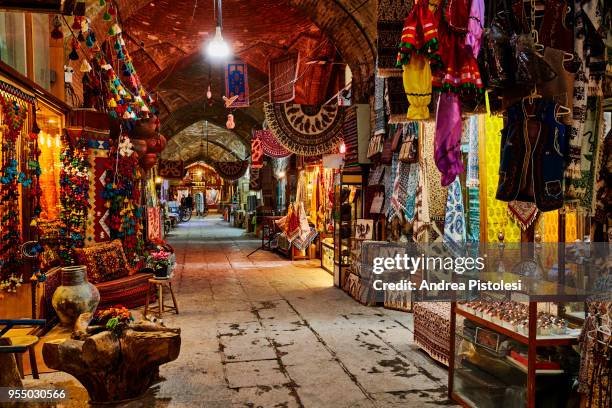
(217, 48)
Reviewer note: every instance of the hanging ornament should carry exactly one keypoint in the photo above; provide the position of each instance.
(107, 16)
(230, 121)
(57, 33)
(209, 93)
(125, 147)
(90, 41)
(111, 10)
(85, 67)
(85, 24)
(80, 36)
(116, 28)
(102, 3)
(76, 23)
(74, 56)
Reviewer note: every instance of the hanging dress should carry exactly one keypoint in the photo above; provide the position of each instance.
(418, 55)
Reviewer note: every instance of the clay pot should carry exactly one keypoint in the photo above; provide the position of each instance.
(75, 295)
(156, 144)
(144, 129)
(140, 146)
(163, 142)
(148, 160)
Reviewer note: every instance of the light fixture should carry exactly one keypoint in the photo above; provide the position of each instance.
(158, 180)
(58, 142)
(218, 48)
(342, 148)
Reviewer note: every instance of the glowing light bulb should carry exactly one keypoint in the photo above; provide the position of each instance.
(217, 47)
(41, 139)
(57, 141)
(342, 148)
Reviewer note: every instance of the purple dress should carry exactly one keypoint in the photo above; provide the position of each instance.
(447, 144)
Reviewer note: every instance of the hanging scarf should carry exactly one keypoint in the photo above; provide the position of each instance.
(411, 192)
(473, 180)
(400, 187)
(591, 145)
(454, 222)
(422, 221)
(437, 193)
(389, 184)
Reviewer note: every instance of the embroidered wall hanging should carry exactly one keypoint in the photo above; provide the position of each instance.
(154, 231)
(97, 230)
(271, 147)
(256, 152)
(283, 75)
(171, 169)
(237, 84)
(306, 130)
(231, 171)
(351, 137)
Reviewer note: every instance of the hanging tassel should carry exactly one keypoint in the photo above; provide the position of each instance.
(74, 56)
(85, 67)
(102, 3)
(111, 31)
(116, 28)
(81, 37)
(57, 33)
(117, 46)
(107, 16)
(76, 23)
(112, 103)
(111, 10)
(120, 55)
(79, 9)
(90, 41)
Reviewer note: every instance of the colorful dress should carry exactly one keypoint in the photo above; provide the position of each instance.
(418, 55)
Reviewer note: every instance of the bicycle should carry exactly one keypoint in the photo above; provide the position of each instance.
(185, 214)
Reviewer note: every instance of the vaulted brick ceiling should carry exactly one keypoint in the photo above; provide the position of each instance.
(166, 38)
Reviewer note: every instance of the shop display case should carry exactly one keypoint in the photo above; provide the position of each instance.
(511, 353)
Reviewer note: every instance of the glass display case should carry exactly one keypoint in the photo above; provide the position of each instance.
(348, 203)
(327, 254)
(509, 353)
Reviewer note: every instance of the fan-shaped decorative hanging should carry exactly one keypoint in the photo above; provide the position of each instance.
(306, 130)
(231, 171)
(271, 147)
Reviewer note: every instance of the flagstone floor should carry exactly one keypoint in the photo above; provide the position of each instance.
(262, 331)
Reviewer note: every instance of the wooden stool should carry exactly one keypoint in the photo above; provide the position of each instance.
(159, 284)
(28, 341)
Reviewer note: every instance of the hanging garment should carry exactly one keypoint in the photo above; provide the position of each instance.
(422, 221)
(561, 88)
(532, 156)
(417, 85)
(411, 191)
(448, 138)
(420, 34)
(553, 32)
(459, 66)
(454, 221)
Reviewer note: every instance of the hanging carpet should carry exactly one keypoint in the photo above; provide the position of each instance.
(231, 171)
(237, 84)
(254, 178)
(306, 130)
(171, 169)
(271, 147)
(256, 152)
(283, 74)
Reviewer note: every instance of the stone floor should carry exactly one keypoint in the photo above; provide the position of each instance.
(261, 331)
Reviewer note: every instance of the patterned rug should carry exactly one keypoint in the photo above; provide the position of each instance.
(231, 171)
(256, 152)
(154, 228)
(171, 169)
(255, 178)
(306, 130)
(283, 74)
(97, 230)
(391, 15)
(271, 147)
(395, 100)
(237, 83)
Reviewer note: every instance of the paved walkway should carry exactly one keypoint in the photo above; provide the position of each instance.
(265, 332)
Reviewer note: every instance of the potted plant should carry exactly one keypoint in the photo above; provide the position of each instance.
(114, 318)
(160, 262)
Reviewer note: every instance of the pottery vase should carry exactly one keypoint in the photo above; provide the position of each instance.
(75, 295)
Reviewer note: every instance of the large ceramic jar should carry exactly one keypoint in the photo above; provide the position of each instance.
(75, 295)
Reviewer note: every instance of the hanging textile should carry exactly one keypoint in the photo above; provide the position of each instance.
(270, 146)
(422, 221)
(255, 179)
(237, 84)
(231, 171)
(437, 193)
(448, 138)
(411, 192)
(396, 104)
(602, 193)
(154, 228)
(99, 175)
(380, 118)
(473, 180)
(283, 75)
(590, 158)
(389, 183)
(523, 213)
(454, 221)
(171, 169)
(497, 217)
(351, 137)
(256, 151)
(400, 187)
(306, 130)
(391, 16)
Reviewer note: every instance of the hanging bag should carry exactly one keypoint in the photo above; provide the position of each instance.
(375, 146)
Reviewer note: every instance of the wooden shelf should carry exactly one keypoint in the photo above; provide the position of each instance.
(540, 341)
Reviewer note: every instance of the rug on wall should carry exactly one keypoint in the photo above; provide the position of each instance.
(97, 229)
(231, 170)
(171, 169)
(154, 228)
(271, 147)
(283, 74)
(306, 130)
(257, 153)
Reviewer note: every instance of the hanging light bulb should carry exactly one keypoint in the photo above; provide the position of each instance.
(208, 93)
(342, 148)
(41, 139)
(57, 141)
(217, 48)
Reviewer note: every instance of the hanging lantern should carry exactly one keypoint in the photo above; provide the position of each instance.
(230, 122)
